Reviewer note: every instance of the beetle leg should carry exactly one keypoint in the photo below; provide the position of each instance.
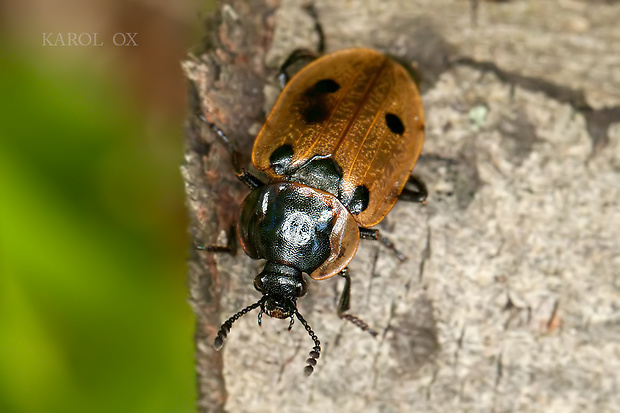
(296, 60)
(230, 248)
(236, 156)
(418, 194)
(301, 57)
(243, 175)
(250, 180)
(213, 248)
(375, 235)
(317, 26)
(345, 304)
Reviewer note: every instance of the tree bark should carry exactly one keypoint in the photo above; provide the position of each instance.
(509, 299)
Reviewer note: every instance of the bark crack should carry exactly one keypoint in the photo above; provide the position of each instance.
(598, 121)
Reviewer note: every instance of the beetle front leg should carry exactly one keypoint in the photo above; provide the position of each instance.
(345, 304)
(375, 235)
(244, 176)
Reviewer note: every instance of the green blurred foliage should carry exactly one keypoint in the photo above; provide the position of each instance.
(93, 311)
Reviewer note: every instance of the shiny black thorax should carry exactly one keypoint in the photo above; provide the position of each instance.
(284, 223)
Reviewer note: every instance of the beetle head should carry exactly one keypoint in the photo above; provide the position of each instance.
(280, 285)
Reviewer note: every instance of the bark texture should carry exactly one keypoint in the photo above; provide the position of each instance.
(510, 298)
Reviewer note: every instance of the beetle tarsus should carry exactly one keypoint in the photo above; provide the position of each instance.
(213, 248)
(236, 156)
(359, 322)
(390, 245)
(375, 235)
(230, 248)
(344, 305)
(243, 175)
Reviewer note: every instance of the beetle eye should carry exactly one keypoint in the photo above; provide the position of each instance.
(301, 289)
(258, 283)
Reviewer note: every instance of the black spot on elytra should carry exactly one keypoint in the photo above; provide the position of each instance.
(316, 108)
(394, 123)
(326, 86)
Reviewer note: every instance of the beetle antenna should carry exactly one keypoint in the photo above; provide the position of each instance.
(316, 351)
(225, 328)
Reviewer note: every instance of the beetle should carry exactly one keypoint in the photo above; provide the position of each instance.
(337, 149)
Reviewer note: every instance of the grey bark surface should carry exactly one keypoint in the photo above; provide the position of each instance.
(510, 298)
